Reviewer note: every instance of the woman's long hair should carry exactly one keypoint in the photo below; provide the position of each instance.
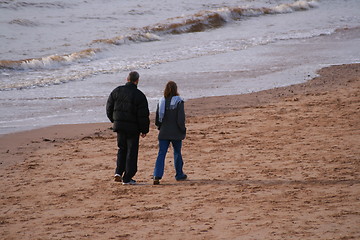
(170, 90)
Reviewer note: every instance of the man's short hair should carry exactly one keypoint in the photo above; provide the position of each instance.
(133, 76)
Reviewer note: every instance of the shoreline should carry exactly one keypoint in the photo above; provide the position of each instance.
(276, 164)
(250, 99)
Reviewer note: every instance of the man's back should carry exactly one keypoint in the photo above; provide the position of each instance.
(127, 108)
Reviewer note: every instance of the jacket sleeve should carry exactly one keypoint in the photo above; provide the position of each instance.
(181, 117)
(110, 108)
(143, 114)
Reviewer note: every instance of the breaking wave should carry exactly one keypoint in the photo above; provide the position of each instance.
(49, 61)
(137, 37)
(211, 19)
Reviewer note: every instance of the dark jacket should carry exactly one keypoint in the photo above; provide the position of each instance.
(127, 108)
(172, 126)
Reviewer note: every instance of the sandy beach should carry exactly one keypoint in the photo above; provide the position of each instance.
(277, 164)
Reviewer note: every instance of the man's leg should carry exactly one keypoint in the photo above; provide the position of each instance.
(132, 142)
(121, 155)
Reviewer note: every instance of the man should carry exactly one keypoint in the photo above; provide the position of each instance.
(127, 108)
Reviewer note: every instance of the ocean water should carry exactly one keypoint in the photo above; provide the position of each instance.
(59, 60)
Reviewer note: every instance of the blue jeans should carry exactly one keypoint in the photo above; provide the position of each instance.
(178, 161)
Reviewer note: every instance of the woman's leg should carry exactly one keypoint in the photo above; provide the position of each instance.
(178, 160)
(160, 161)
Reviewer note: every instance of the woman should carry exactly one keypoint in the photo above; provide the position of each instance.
(170, 120)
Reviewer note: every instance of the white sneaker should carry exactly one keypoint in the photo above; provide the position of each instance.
(131, 182)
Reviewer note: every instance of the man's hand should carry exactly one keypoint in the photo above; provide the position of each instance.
(143, 135)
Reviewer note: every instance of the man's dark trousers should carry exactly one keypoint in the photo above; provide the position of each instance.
(127, 156)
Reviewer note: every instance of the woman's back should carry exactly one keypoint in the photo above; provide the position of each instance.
(172, 125)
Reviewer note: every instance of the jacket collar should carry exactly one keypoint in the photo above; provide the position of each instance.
(130, 84)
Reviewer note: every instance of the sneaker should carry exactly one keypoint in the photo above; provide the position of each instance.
(131, 182)
(183, 178)
(117, 178)
(156, 180)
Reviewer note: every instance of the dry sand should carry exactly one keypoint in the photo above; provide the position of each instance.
(278, 164)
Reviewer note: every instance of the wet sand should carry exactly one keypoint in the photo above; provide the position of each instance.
(277, 164)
